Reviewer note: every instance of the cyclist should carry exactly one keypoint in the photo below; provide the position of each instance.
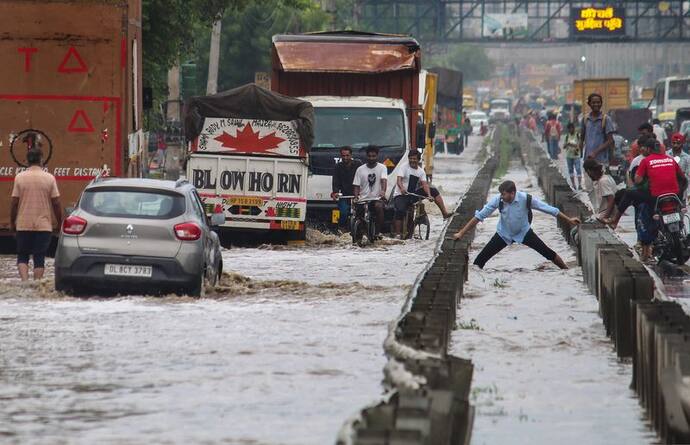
(412, 179)
(343, 175)
(369, 184)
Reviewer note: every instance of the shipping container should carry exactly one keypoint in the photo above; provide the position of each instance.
(71, 86)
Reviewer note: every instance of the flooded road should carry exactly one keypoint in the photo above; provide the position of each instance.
(545, 372)
(287, 347)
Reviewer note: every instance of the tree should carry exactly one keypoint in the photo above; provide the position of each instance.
(245, 44)
(471, 60)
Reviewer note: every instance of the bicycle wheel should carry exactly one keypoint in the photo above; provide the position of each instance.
(371, 231)
(423, 227)
(357, 231)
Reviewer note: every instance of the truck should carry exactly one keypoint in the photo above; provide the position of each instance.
(427, 97)
(450, 105)
(365, 91)
(248, 154)
(614, 91)
(71, 86)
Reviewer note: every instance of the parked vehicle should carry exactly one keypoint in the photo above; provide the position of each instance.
(673, 242)
(138, 235)
(248, 158)
(70, 86)
(450, 107)
(365, 91)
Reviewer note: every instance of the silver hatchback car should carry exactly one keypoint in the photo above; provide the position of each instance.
(138, 235)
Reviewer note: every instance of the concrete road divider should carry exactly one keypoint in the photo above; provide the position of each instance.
(653, 331)
(428, 398)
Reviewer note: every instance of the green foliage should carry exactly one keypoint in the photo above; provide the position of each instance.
(470, 59)
(245, 43)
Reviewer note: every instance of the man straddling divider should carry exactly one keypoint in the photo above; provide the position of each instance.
(514, 225)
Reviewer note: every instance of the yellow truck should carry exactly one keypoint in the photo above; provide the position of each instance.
(468, 101)
(428, 88)
(614, 91)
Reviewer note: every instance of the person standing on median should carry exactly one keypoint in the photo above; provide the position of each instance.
(514, 225)
(35, 201)
(596, 136)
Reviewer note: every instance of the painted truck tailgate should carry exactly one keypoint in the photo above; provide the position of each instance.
(254, 192)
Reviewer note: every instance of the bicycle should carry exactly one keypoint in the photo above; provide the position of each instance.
(363, 222)
(417, 219)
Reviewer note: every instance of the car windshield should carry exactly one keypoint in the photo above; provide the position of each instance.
(477, 116)
(132, 203)
(358, 127)
(503, 104)
(685, 127)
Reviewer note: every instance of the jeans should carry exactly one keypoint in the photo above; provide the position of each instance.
(344, 207)
(496, 244)
(574, 164)
(553, 148)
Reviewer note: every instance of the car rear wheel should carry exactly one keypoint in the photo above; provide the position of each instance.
(198, 289)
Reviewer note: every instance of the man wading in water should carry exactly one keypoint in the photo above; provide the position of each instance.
(514, 225)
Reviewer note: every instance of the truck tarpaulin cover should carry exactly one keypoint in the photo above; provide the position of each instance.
(449, 87)
(250, 102)
(342, 52)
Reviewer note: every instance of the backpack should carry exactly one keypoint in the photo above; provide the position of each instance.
(603, 129)
(529, 207)
(553, 130)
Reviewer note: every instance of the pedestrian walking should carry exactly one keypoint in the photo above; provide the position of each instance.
(573, 158)
(552, 135)
(466, 129)
(514, 225)
(35, 205)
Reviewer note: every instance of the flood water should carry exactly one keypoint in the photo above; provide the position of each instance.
(286, 348)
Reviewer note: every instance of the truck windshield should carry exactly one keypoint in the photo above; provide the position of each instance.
(358, 127)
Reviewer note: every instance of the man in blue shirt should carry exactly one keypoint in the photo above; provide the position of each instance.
(596, 132)
(514, 225)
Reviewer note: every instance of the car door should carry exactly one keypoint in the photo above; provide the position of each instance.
(210, 238)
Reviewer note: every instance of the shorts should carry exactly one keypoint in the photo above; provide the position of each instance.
(34, 244)
(402, 203)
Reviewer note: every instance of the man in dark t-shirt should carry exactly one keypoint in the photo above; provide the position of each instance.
(343, 176)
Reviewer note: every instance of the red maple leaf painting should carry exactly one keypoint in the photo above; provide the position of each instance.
(249, 141)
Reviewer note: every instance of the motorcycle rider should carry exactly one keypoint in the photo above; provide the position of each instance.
(663, 175)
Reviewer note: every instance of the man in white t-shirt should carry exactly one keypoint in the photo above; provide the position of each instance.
(370, 185)
(412, 179)
(603, 190)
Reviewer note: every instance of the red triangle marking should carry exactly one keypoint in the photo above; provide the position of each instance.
(85, 125)
(72, 53)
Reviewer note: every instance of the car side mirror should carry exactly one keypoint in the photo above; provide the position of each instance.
(217, 219)
(421, 134)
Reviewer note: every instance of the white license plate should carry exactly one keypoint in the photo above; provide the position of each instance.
(128, 270)
(671, 218)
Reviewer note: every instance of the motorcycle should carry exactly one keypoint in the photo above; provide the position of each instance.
(673, 242)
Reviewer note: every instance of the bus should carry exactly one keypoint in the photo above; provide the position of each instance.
(670, 94)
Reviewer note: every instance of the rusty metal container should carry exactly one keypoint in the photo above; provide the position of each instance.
(349, 64)
(71, 85)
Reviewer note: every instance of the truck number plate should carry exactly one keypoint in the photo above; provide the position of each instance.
(335, 216)
(289, 225)
(671, 218)
(128, 270)
(247, 201)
